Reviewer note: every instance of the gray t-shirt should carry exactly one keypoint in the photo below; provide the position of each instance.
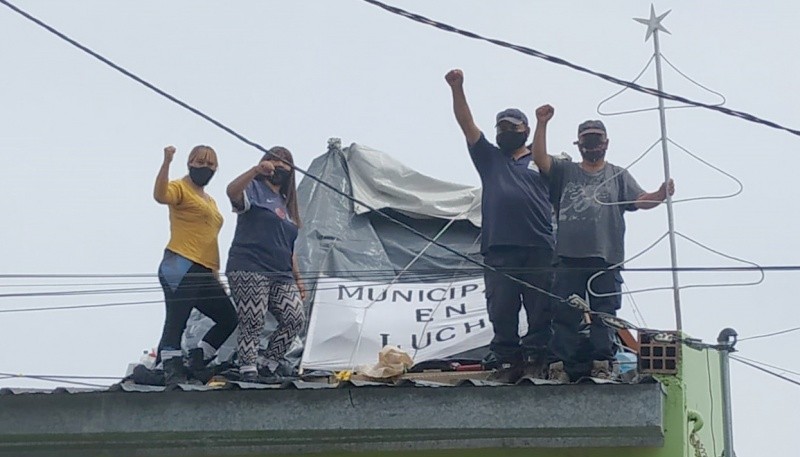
(587, 228)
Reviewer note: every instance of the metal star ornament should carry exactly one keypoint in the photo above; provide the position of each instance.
(653, 23)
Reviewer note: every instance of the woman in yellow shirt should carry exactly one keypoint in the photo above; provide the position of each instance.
(189, 272)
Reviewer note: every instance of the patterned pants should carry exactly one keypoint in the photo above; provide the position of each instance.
(254, 295)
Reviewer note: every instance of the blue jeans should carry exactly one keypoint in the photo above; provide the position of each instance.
(569, 343)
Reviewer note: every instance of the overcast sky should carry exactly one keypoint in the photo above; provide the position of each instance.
(81, 144)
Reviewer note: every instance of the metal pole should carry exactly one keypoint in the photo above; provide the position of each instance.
(727, 341)
(670, 216)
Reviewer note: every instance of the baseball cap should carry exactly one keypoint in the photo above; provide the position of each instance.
(591, 126)
(512, 115)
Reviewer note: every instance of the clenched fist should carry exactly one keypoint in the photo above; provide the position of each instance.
(169, 153)
(455, 78)
(265, 168)
(544, 113)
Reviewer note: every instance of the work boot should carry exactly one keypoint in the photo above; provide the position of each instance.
(174, 372)
(534, 369)
(198, 365)
(507, 373)
(601, 369)
(556, 372)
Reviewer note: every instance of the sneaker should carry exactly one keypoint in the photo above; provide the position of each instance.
(601, 369)
(507, 373)
(556, 372)
(250, 376)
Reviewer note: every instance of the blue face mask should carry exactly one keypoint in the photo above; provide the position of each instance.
(200, 175)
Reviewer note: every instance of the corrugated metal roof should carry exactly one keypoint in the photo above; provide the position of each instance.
(301, 385)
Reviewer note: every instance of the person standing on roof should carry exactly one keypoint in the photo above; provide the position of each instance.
(189, 271)
(516, 237)
(590, 199)
(262, 268)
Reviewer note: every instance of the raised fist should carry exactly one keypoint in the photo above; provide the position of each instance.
(265, 168)
(544, 113)
(169, 153)
(454, 77)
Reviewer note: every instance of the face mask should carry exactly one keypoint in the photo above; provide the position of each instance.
(200, 175)
(280, 176)
(509, 142)
(591, 141)
(594, 155)
(592, 147)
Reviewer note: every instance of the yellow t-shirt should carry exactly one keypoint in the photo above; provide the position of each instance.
(194, 223)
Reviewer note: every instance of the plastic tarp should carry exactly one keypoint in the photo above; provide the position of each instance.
(382, 182)
(341, 239)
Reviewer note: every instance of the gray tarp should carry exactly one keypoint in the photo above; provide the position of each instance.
(343, 239)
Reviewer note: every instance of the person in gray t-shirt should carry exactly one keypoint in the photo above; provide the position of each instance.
(590, 199)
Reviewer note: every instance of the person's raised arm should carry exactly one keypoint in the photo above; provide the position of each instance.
(540, 157)
(161, 189)
(236, 188)
(650, 200)
(455, 78)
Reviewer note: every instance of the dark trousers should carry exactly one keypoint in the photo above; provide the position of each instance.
(570, 343)
(199, 289)
(504, 297)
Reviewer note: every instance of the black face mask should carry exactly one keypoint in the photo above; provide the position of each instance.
(279, 177)
(592, 147)
(594, 155)
(508, 142)
(200, 175)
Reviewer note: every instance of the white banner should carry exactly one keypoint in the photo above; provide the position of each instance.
(351, 321)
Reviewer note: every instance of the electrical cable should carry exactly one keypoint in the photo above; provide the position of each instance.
(470, 271)
(559, 61)
(56, 376)
(61, 380)
(637, 313)
(796, 373)
(257, 146)
(395, 279)
(711, 397)
(768, 335)
(772, 373)
(418, 18)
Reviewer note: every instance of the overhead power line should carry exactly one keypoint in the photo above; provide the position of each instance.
(769, 372)
(785, 370)
(60, 379)
(264, 150)
(768, 335)
(339, 274)
(559, 61)
(381, 213)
